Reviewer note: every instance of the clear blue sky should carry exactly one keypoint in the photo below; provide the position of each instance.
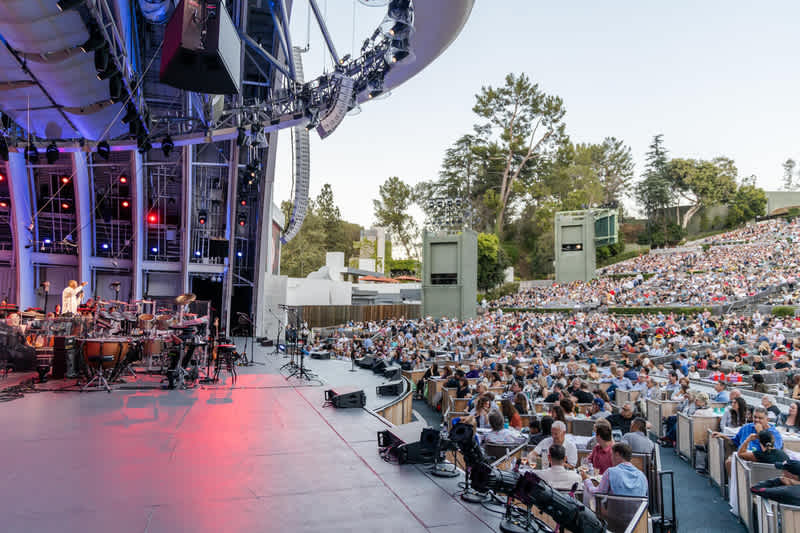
(716, 78)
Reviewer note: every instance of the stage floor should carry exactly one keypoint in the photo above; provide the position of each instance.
(264, 456)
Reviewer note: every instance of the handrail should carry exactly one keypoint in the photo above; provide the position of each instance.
(637, 517)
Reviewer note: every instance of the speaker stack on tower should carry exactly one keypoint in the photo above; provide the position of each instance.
(201, 51)
(344, 398)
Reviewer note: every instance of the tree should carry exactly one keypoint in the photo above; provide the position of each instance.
(788, 175)
(492, 262)
(306, 252)
(654, 191)
(391, 211)
(614, 166)
(702, 183)
(527, 126)
(334, 240)
(747, 203)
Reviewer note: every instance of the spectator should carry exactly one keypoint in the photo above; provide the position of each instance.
(521, 403)
(766, 452)
(558, 436)
(735, 415)
(622, 479)
(768, 402)
(791, 422)
(557, 476)
(637, 438)
(722, 395)
(784, 489)
(601, 456)
(510, 414)
(622, 420)
(499, 434)
(759, 385)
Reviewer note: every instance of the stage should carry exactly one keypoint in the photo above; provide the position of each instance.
(263, 456)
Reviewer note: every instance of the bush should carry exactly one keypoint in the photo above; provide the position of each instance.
(783, 310)
(602, 252)
(706, 247)
(718, 222)
(503, 290)
(656, 310)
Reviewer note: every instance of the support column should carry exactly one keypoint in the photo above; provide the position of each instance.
(139, 229)
(264, 259)
(230, 234)
(187, 175)
(19, 189)
(83, 214)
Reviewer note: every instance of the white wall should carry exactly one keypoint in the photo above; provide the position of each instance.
(304, 291)
(387, 288)
(273, 295)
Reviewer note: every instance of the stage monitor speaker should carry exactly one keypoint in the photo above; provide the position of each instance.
(218, 248)
(64, 356)
(395, 388)
(366, 362)
(344, 398)
(379, 366)
(393, 373)
(202, 50)
(320, 355)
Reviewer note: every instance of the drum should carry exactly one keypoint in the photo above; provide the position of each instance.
(108, 347)
(152, 347)
(163, 322)
(145, 322)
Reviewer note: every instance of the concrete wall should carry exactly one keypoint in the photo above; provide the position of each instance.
(450, 254)
(780, 199)
(574, 228)
(304, 291)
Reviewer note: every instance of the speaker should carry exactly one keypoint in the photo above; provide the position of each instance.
(393, 373)
(344, 398)
(366, 361)
(379, 366)
(395, 388)
(64, 356)
(320, 355)
(340, 107)
(218, 248)
(201, 51)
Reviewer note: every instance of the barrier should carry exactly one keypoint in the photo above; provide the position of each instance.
(399, 411)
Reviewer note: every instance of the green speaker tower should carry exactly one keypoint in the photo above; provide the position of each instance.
(450, 274)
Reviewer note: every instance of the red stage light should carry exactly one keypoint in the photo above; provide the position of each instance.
(152, 218)
(125, 203)
(2, 177)
(244, 202)
(3, 204)
(123, 179)
(202, 221)
(65, 179)
(241, 222)
(65, 206)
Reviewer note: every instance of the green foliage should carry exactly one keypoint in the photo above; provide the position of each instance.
(654, 191)
(702, 183)
(783, 311)
(618, 258)
(793, 212)
(492, 261)
(403, 267)
(391, 211)
(503, 290)
(306, 252)
(746, 204)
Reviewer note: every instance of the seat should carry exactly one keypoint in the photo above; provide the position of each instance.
(226, 359)
(96, 362)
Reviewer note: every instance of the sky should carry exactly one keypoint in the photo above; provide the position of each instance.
(715, 78)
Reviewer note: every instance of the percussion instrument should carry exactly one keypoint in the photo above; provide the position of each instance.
(185, 298)
(145, 321)
(152, 347)
(118, 348)
(163, 322)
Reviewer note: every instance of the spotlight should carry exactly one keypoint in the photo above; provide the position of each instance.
(64, 5)
(123, 179)
(152, 218)
(31, 153)
(3, 204)
(167, 146)
(116, 88)
(242, 219)
(238, 254)
(48, 241)
(105, 246)
(51, 153)
(3, 148)
(64, 206)
(241, 137)
(144, 145)
(202, 218)
(197, 253)
(64, 179)
(95, 41)
(243, 202)
(154, 250)
(104, 150)
(126, 204)
(374, 94)
(2, 178)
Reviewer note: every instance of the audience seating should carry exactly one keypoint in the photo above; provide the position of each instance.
(717, 453)
(623, 514)
(747, 475)
(693, 432)
(774, 517)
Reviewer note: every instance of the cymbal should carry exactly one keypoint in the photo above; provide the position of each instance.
(186, 298)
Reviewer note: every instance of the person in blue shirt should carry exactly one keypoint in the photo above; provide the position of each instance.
(760, 422)
(722, 393)
(631, 374)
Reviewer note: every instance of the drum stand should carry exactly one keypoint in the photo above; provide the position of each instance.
(101, 380)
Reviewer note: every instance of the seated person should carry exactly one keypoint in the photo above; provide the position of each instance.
(773, 413)
(510, 414)
(597, 410)
(622, 479)
(722, 394)
(557, 476)
(784, 489)
(760, 422)
(558, 435)
(499, 434)
(539, 430)
(622, 420)
(637, 438)
(767, 452)
(601, 456)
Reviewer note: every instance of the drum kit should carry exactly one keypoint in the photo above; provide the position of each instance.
(170, 342)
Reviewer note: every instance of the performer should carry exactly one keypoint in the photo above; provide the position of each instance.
(71, 296)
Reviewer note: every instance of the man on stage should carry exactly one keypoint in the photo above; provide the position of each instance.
(72, 296)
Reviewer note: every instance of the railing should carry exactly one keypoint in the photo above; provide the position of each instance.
(399, 411)
(319, 316)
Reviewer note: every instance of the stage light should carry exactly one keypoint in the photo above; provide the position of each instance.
(202, 217)
(238, 254)
(3, 204)
(64, 5)
(126, 203)
(95, 41)
(167, 146)
(152, 218)
(131, 113)
(243, 202)
(123, 179)
(144, 145)
(64, 179)
(242, 219)
(105, 246)
(64, 205)
(104, 150)
(2, 178)
(374, 94)
(51, 153)
(154, 250)
(241, 137)
(197, 253)
(31, 153)
(116, 88)
(3, 148)
(47, 241)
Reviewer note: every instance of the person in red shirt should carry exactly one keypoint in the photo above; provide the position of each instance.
(601, 456)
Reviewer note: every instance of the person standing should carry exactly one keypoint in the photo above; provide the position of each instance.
(71, 296)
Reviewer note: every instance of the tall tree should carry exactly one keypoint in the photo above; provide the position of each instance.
(306, 252)
(747, 203)
(391, 211)
(788, 175)
(492, 262)
(654, 191)
(614, 165)
(332, 221)
(527, 125)
(702, 183)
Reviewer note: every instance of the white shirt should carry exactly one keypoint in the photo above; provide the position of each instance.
(543, 448)
(70, 298)
(559, 477)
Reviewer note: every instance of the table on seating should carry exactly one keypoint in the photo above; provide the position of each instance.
(434, 386)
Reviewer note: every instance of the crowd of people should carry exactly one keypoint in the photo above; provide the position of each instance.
(720, 270)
